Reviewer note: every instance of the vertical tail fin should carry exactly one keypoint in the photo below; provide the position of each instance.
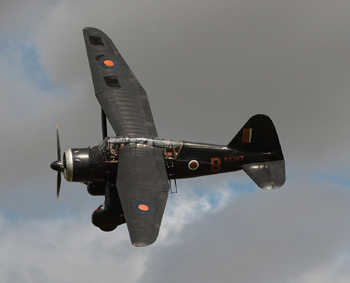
(259, 135)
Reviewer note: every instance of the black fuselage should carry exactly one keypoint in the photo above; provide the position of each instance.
(189, 160)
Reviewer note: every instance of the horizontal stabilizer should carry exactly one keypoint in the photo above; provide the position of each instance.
(267, 175)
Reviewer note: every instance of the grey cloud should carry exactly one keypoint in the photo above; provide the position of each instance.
(265, 237)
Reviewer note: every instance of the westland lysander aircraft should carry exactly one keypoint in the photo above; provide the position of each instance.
(135, 169)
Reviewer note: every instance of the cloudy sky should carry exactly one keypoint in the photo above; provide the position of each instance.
(207, 66)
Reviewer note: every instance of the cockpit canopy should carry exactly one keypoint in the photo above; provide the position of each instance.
(110, 147)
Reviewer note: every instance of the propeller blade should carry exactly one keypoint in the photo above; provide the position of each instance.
(58, 146)
(57, 165)
(58, 183)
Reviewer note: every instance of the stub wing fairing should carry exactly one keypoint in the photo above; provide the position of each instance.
(123, 99)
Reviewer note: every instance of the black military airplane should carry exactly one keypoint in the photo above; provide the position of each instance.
(135, 169)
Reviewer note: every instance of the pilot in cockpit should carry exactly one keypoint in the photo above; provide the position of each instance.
(114, 151)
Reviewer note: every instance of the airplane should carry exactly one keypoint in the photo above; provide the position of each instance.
(135, 169)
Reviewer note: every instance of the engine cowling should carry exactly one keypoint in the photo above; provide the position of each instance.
(87, 165)
(76, 162)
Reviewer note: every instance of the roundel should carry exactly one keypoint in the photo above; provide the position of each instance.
(108, 63)
(193, 165)
(143, 207)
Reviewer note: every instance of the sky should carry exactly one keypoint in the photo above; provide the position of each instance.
(207, 67)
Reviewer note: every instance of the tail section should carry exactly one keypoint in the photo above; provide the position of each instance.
(258, 137)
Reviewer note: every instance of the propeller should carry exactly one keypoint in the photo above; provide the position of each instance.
(58, 165)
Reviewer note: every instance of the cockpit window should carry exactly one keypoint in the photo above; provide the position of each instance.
(173, 151)
(110, 150)
(110, 147)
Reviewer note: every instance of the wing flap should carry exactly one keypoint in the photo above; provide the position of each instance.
(142, 184)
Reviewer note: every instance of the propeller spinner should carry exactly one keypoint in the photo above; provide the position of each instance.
(58, 165)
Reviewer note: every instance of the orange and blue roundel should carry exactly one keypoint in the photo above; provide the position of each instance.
(108, 63)
(143, 207)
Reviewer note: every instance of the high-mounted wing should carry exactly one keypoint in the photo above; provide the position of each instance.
(143, 187)
(120, 94)
(142, 180)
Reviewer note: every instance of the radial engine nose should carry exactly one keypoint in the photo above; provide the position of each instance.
(77, 165)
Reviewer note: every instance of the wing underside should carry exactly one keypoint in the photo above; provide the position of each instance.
(142, 184)
(120, 94)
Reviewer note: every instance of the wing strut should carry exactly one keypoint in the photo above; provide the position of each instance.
(104, 124)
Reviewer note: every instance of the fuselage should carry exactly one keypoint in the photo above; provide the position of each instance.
(182, 159)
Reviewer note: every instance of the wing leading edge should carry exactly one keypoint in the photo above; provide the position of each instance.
(120, 94)
(143, 187)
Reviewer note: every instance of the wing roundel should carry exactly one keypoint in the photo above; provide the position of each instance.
(120, 94)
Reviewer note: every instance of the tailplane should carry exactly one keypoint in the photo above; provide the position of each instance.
(259, 136)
